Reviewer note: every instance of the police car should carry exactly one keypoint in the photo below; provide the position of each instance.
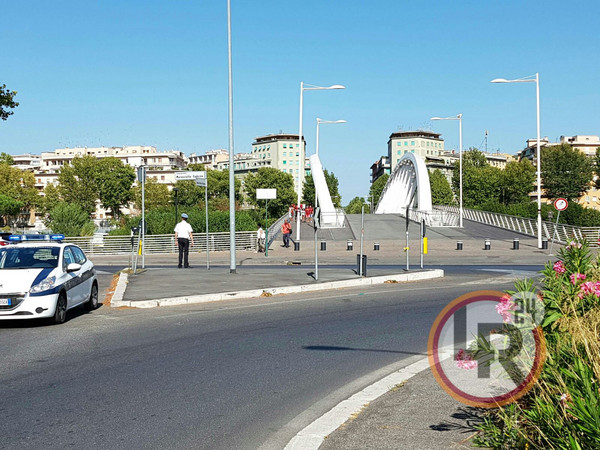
(42, 277)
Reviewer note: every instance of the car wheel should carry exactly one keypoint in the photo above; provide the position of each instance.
(60, 314)
(92, 303)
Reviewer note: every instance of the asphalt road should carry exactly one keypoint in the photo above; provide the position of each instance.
(236, 374)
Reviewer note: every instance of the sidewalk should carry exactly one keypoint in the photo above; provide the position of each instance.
(418, 415)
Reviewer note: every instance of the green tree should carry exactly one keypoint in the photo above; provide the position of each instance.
(377, 188)
(50, 199)
(218, 184)
(597, 168)
(77, 183)
(481, 182)
(271, 178)
(5, 158)
(113, 181)
(566, 172)
(355, 206)
(7, 102)
(308, 189)
(188, 194)
(517, 181)
(196, 167)
(70, 220)
(157, 195)
(19, 185)
(441, 192)
(9, 209)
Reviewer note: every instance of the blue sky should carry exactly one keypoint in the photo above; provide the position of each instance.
(118, 72)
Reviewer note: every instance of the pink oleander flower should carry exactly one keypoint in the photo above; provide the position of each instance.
(504, 308)
(559, 267)
(577, 276)
(589, 288)
(573, 245)
(465, 360)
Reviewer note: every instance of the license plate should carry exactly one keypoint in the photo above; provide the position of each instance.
(5, 301)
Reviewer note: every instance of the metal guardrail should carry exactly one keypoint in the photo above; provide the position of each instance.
(162, 243)
(275, 228)
(550, 230)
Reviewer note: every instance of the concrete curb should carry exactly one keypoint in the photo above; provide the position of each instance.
(119, 290)
(267, 292)
(313, 435)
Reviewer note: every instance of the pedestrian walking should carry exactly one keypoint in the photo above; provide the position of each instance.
(286, 230)
(184, 238)
(260, 239)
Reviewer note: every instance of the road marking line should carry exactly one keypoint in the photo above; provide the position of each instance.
(313, 435)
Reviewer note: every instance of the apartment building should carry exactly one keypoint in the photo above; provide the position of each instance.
(422, 143)
(284, 153)
(210, 159)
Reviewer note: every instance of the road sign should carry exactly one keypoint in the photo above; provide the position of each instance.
(201, 182)
(561, 204)
(266, 194)
(141, 173)
(190, 175)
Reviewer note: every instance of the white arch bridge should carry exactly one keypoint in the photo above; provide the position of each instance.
(408, 188)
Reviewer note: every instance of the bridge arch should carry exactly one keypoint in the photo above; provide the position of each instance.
(410, 177)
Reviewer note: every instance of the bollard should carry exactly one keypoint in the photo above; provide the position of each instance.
(349, 245)
(376, 246)
(323, 246)
(364, 265)
(296, 246)
(515, 244)
(545, 244)
(459, 245)
(488, 245)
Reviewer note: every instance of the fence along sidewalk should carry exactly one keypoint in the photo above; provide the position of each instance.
(550, 230)
(162, 243)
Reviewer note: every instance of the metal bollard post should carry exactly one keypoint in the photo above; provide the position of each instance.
(323, 246)
(515, 244)
(296, 246)
(376, 246)
(459, 245)
(349, 245)
(545, 244)
(488, 244)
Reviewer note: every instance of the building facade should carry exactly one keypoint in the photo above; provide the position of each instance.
(421, 143)
(284, 153)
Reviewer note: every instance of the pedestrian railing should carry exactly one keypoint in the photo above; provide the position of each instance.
(275, 229)
(550, 230)
(162, 243)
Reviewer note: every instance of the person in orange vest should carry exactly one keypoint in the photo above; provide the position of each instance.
(286, 230)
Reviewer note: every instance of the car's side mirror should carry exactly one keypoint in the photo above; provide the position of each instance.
(73, 267)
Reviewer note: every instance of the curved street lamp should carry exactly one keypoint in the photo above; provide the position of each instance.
(306, 87)
(460, 165)
(533, 79)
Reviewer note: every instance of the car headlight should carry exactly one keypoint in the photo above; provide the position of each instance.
(44, 285)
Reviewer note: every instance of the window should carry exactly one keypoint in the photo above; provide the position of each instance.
(79, 256)
(399, 144)
(405, 143)
(399, 152)
(412, 143)
(68, 258)
(297, 153)
(284, 145)
(284, 161)
(284, 153)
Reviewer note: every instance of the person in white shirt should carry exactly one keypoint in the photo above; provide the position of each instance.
(261, 237)
(184, 237)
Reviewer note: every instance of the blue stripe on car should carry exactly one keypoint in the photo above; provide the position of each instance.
(41, 276)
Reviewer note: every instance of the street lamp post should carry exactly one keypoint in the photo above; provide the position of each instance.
(306, 87)
(460, 165)
(320, 121)
(533, 79)
(232, 262)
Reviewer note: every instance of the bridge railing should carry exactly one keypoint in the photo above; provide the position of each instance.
(550, 230)
(162, 243)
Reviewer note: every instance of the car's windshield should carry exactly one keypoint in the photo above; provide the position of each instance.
(29, 257)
